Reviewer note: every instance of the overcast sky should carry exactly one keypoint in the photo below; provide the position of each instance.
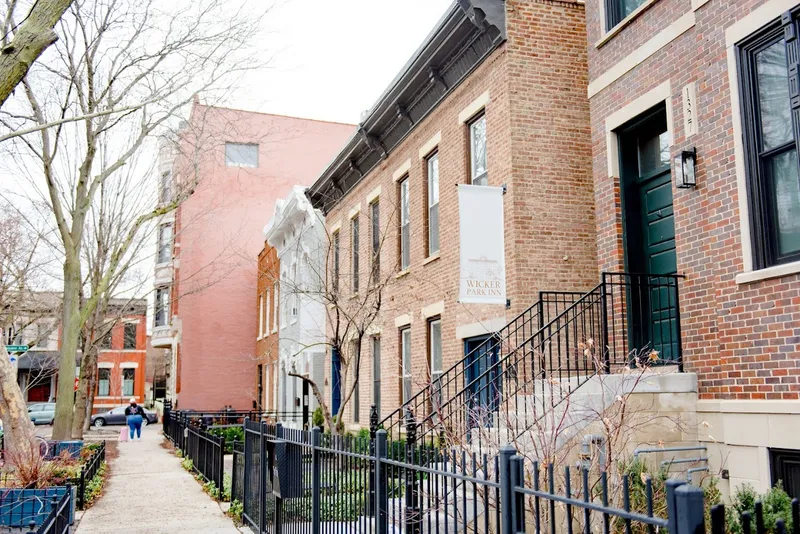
(332, 59)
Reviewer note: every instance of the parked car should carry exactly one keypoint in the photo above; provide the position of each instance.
(42, 413)
(116, 416)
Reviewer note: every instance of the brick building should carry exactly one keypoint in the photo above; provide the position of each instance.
(236, 163)
(267, 301)
(667, 77)
(475, 104)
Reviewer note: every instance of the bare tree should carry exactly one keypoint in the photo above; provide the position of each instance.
(149, 58)
(23, 43)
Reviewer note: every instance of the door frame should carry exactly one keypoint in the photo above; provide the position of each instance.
(492, 406)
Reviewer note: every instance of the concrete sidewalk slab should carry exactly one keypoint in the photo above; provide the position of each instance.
(149, 491)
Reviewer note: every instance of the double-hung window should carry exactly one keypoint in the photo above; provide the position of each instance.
(104, 382)
(479, 174)
(405, 364)
(405, 225)
(375, 223)
(165, 188)
(275, 307)
(161, 315)
(356, 387)
(260, 316)
(129, 336)
(435, 357)
(128, 379)
(771, 124)
(354, 245)
(164, 243)
(376, 373)
(335, 261)
(433, 204)
(617, 10)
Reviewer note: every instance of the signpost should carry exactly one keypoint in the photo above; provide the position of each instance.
(17, 348)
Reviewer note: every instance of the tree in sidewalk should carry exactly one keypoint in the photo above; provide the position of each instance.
(149, 59)
(24, 42)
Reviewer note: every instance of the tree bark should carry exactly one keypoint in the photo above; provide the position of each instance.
(18, 429)
(32, 38)
(85, 397)
(71, 328)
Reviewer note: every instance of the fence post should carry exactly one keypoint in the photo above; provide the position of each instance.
(517, 499)
(373, 428)
(685, 512)
(81, 488)
(262, 480)
(381, 502)
(413, 519)
(246, 471)
(316, 479)
(221, 468)
(506, 452)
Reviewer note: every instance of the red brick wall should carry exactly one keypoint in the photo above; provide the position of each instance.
(119, 357)
(543, 158)
(742, 340)
(267, 346)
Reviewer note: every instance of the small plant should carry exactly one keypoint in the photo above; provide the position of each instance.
(317, 419)
(179, 453)
(187, 464)
(94, 486)
(211, 488)
(776, 505)
(227, 487)
(235, 512)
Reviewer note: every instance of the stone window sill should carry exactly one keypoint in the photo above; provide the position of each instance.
(431, 259)
(775, 271)
(623, 23)
(402, 273)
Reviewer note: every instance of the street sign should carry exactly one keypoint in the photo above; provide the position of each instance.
(17, 348)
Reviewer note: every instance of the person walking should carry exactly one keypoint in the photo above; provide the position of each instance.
(134, 415)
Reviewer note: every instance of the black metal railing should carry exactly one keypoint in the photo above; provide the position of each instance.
(89, 470)
(237, 472)
(207, 453)
(58, 521)
(304, 481)
(755, 522)
(534, 363)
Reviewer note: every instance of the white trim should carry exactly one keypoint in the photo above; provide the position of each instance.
(697, 4)
(373, 195)
(355, 211)
(749, 406)
(473, 108)
(430, 145)
(662, 93)
(335, 227)
(490, 326)
(756, 19)
(402, 170)
(129, 365)
(638, 56)
(432, 310)
(776, 271)
(402, 320)
(105, 365)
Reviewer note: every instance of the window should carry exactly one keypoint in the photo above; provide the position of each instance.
(433, 204)
(165, 188)
(164, 243)
(354, 231)
(617, 10)
(405, 226)
(104, 382)
(129, 338)
(260, 316)
(284, 301)
(241, 155)
(477, 151)
(771, 147)
(295, 292)
(435, 357)
(405, 359)
(161, 315)
(375, 221)
(128, 376)
(43, 335)
(356, 392)
(105, 341)
(335, 261)
(265, 315)
(376, 373)
(275, 307)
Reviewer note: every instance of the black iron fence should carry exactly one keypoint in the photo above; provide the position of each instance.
(531, 365)
(207, 453)
(58, 521)
(237, 473)
(296, 481)
(89, 470)
(755, 522)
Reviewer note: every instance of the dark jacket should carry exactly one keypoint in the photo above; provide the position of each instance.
(135, 409)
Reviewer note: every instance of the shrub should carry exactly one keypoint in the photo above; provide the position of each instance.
(211, 488)
(317, 418)
(235, 512)
(776, 505)
(94, 486)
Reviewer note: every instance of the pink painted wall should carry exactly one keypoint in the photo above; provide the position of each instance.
(219, 238)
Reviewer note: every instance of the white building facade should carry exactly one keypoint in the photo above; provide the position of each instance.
(297, 232)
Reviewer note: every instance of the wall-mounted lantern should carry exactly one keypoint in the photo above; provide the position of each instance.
(685, 169)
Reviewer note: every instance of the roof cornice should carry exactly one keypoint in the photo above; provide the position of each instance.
(465, 36)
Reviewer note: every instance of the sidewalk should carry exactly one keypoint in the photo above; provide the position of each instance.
(149, 491)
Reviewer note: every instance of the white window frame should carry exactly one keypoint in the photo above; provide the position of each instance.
(276, 319)
(405, 223)
(406, 377)
(260, 316)
(266, 312)
(433, 201)
(435, 353)
(164, 245)
(484, 177)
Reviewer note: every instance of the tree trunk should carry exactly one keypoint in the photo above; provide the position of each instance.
(84, 399)
(17, 426)
(90, 403)
(71, 328)
(33, 36)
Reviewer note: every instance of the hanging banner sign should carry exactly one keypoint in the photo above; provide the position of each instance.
(483, 267)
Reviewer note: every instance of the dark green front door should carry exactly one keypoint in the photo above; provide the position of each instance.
(649, 234)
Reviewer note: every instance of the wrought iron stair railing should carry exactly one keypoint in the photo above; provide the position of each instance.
(554, 347)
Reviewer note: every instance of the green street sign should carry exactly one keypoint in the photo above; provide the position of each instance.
(16, 348)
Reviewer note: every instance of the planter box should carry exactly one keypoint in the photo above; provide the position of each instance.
(58, 447)
(18, 507)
